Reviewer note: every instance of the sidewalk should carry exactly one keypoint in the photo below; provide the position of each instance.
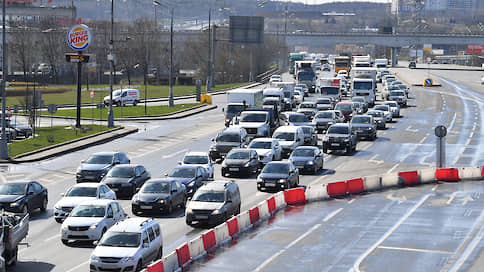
(98, 138)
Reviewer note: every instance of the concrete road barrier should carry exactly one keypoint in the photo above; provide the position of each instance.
(243, 220)
(470, 173)
(170, 262)
(372, 183)
(196, 247)
(263, 209)
(222, 233)
(391, 180)
(427, 175)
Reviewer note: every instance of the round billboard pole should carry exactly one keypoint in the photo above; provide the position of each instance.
(79, 38)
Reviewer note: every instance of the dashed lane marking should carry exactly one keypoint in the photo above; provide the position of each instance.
(417, 250)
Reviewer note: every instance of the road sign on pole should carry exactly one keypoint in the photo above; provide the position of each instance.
(91, 93)
(428, 82)
(440, 132)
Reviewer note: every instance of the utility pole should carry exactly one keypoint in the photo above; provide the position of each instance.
(213, 55)
(209, 51)
(170, 99)
(3, 143)
(111, 67)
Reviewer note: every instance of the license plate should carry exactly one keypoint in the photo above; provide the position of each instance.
(335, 144)
(201, 216)
(114, 189)
(233, 169)
(270, 185)
(146, 207)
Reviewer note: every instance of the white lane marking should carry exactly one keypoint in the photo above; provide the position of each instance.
(423, 139)
(320, 178)
(13, 176)
(452, 122)
(472, 134)
(268, 261)
(451, 198)
(435, 187)
(356, 266)
(174, 154)
(393, 168)
(78, 266)
(470, 248)
(409, 128)
(467, 143)
(52, 238)
(374, 157)
(351, 201)
(417, 250)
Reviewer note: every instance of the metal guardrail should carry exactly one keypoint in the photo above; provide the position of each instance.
(264, 77)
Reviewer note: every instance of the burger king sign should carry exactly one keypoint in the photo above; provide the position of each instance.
(79, 37)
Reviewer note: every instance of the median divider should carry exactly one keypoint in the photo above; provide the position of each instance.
(198, 247)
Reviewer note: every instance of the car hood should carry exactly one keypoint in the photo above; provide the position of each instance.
(10, 198)
(152, 197)
(286, 143)
(93, 167)
(361, 125)
(22, 127)
(323, 120)
(235, 162)
(184, 180)
(300, 123)
(250, 124)
(338, 135)
(300, 159)
(273, 176)
(116, 252)
(262, 152)
(111, 180)
(324, 106)
(200, 205)
(82, 221)
(72, 201)
(305, 110)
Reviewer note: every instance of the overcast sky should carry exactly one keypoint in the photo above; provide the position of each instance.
(317, 2)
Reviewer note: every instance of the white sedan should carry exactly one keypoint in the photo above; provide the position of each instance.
(80, 193)
(268, 149)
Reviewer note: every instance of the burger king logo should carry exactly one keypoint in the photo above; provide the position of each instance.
(79, 37)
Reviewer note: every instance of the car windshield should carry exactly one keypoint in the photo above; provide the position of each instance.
(323, 101)
(82, 192)
(338, 130)
(12, 189)
(286, 136)
(343, 107)
(238, 155)
(297, 118)
(235, 138)
(382, 108)
(287, 94)
(209, 196)
(121, 172)
(117, 93)
(392, 104)
(89, 211)
(402, 86)
(195, 159)
(253, 117)
(362, 85)
(183, 173)
(307, 106)
(100, 159)
(260, 145)
(276, 168)
(376, 113)
(235, 108)
(361, 120)
(329, 91)
(156, 188)
(120, 239)
(297, 93)
(270, 102)
(397, 93)
(307, 130)
(326, 115)
(303, 152)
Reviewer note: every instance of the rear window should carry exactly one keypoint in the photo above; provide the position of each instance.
(338, 130)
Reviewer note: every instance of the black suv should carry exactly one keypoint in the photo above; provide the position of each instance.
(340, 137)
(241, 162)
(229, 138)
(412, 65)
(213, 203)
(97, 165)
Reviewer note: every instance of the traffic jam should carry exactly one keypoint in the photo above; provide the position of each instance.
(273, 134)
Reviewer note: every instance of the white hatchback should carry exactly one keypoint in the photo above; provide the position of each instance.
(199, 159)
(91, 219)
(268, 149)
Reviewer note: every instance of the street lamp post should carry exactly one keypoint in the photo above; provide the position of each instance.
(170, 99)
(3, 143)
(111, 66)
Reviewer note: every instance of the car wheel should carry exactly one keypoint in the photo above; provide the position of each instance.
(315, 170)
(139, 266)
(134, 103)
(325, 149)
(189, 222)
(184, 203)
(25, 209)
(160, 253)
(348, 150)
(44, 205)
(58, 220)
(64, 241)
(170, 208)
(102, 233)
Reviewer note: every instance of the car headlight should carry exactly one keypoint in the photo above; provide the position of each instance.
(215, 212)
(15, 204)
(94, 226)
(247, 164)
(64, 227)
(162, 201)
(310, 162)
(213, 148)
(347, 140)
(95, 258)
(188, 210)
(127, 259)
(282, 181)
(370, 128)
(191, 184)
(330, 123)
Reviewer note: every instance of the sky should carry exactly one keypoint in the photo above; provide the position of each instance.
(318, 2)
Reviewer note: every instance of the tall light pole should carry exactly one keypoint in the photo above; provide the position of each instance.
(111, 67)
(3, 143)
(170, 80)
(209, 67)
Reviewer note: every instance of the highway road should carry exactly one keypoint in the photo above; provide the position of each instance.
(407, 144)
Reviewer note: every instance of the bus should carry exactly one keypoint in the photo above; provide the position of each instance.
(341, 63)
(293, 57)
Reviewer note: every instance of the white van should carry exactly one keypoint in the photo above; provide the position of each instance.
(124, 96)
(289, 138)
(129, 245)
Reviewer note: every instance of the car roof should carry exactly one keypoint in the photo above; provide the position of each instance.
(279, 162)
(307, 147)
(196, 153)
(218, 185)
(132, 224)
(87, 185)
(345, 103)
(126, 166)
(287, 128)
(239, 150)
(341, 125)
(106, 153)
(232, 130)
(263, 140)
(363, 115)
(18, 182)
(98, 202)
(167, 179)
(187, 166)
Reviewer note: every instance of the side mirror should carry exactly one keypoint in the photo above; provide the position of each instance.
(102, 195)
(30, 192)
(95, 243)
(166, 174)
(137, 189)
(110, 215)
(62, 194)
(228, 201)
(223, 109)
(179, 163)
(83, 161)
(174, 191)
(145, 245)
(212, 139)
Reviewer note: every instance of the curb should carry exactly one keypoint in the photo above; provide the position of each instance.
(17, 159)
(204, 244)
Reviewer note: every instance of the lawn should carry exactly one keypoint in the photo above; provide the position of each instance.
(126, 111)
(58, 134)
(67, 94)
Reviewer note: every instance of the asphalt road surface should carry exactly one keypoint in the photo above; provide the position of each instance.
(407, 144)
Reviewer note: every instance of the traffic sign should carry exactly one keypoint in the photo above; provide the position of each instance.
(428, 82)
(9, 112)
(77, 58)
(91, 93)
(79, 37)
(440, 131)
